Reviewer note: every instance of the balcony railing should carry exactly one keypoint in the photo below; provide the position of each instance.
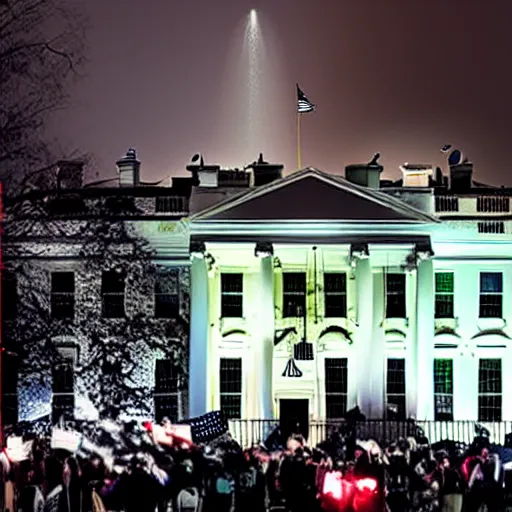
(251, 432)
(447, 204)
(177, 205)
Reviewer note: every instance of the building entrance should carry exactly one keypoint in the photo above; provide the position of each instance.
(294, 416)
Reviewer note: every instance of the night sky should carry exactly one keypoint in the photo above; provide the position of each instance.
(402, 77)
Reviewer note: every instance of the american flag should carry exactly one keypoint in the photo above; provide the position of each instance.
(303, 104)
(207, 427)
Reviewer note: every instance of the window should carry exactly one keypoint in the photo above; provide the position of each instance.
(335, 290)
(63, 295)
(444, 295)
(167, 390)
(232, 295)
(171, 204)
(63, 387)
(167, 294)
(112, 293)
(9, 390)
(443, 389)
(395, 388)
(492, 227)
(303, 351)
(336, 386)
(493, 204)
(447, 204)
(9, 295)
(395, 296)
(491, 295)
(294, 294)
(489, 390)
(231, 387)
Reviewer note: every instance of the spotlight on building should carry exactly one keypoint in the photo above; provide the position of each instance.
(253, 17)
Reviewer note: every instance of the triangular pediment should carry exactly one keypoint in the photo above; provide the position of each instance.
(311, 195)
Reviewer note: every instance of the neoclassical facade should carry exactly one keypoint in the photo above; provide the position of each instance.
(312, 294)
(294, 298)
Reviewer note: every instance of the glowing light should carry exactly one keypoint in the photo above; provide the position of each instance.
(254, 55)
(366, 484)
(333, 485)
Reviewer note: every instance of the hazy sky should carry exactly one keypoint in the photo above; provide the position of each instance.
(402, 77)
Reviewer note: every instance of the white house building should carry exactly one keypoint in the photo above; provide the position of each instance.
(314, 293)
(306, 295)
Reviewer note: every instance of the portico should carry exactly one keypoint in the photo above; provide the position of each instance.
(310, 296)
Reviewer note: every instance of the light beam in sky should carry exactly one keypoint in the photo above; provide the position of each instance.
(254, 54)
(256, 102)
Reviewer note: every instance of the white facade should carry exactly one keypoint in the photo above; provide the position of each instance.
(369, 237)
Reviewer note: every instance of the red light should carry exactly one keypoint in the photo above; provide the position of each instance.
(332, 484)
(366, 484)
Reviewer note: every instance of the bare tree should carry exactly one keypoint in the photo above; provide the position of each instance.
(42, 49)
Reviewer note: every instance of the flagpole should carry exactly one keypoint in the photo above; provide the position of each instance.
(299, 155)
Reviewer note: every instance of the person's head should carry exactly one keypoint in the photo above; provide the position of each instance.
(294, 443)
(445, 463)
(403, 445)
(484, 453)
(188, 466)
(359, 451)
(138, 463)
(96, 462)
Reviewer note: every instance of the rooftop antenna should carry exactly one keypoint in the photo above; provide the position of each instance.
(374, 160)
(456, 158)
(199, 157)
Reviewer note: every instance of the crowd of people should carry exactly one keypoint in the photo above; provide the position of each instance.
(158, 470)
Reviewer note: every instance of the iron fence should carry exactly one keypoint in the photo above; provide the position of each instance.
(249, 432)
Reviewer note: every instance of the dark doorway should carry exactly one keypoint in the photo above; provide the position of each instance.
(294, 417)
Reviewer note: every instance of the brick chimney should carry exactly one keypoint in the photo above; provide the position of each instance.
(366, 175)
(264, 172)
(461, 177)
(204, 175)
(129, 169)
(416, 175)
(70, 174)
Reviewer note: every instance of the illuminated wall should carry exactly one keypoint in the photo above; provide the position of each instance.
(365, 336)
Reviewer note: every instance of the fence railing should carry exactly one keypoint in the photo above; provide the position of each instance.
(254, 431)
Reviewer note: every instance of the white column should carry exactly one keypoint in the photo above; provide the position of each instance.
(214, 337)
(413, 360)
(264, 337)
(506, 367)
(199, 343)
(378, 357)
(425, 329)
(465, 385)
(363, 338)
